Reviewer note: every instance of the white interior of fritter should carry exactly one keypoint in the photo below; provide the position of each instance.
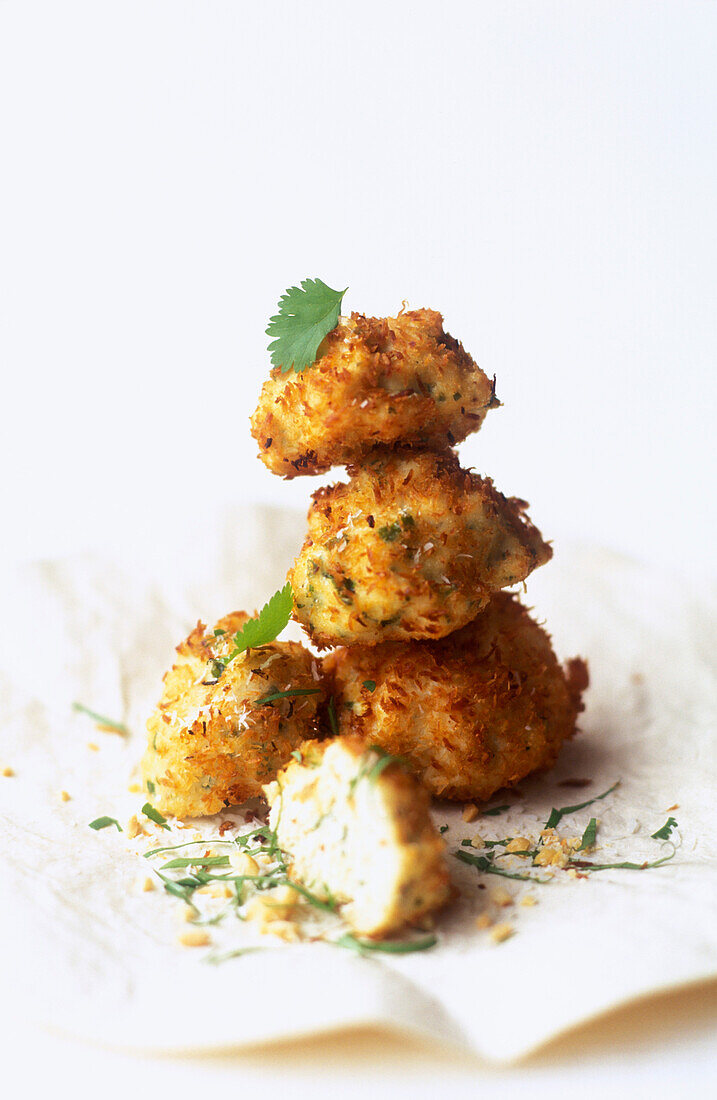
(334, 821)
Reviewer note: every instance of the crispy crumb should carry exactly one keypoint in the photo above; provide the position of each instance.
(8, 771)
(134, 828)
(501, 932)
(63, 796)
(477, 842)
(470, 812)
(500, 896)
(243, 864)
(134, 788)
(528, 899)
(194, 938)
(187, 914)
(91, 745)
(675, 807)
(519, 845)
(148, 885)
(484, 921)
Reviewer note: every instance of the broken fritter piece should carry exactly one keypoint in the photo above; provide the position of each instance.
(413, 546)
(216, 736)
(471, 713)
(375, 381)
(358, 830)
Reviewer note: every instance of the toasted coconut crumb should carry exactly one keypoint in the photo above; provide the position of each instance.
(243, 864)
(8, 771)
(500, 896)
(134, 828)
(134, 788)
(194, 938)
(501, 932)
(477, 842)
(470, 812)
(484, 921)
(148, 885)
(63, 796)
(519, 845)
(528, 899)
(92, 746)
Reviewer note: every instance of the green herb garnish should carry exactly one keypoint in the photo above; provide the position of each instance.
(100, 718)
(151, 787)
(558, 815)
(297, 756)
(103, 822)
(370, 685)
(494, 811)
(485, 864)
(389, 947)
(664, 832)
(217, 957)
(333, 720)
(266, 699)
(306, 315)
(587, 865)
(154, 815)
(589, 835)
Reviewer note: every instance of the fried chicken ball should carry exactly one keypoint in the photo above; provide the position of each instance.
(376, 381)
(212, 741)
(358, 829)
(412, 547)
(472, 713)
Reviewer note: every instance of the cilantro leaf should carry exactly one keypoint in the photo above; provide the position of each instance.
(305, 317)
(664, 832)
(267, 625)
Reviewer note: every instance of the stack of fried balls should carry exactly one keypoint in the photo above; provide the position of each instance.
(404, 571)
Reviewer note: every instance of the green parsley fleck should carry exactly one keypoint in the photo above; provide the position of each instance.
(666, 830)
(370, 685)
(154, 815)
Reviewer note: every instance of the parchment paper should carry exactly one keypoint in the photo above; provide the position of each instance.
(85, 952)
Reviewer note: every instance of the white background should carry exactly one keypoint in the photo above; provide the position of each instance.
(543, 173)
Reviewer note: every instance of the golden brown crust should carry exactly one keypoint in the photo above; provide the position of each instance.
(376, 381)
(412, 546)
(474, 712)
(209, 742)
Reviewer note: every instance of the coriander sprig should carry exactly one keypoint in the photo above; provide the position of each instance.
(262, 629)
(306, 315)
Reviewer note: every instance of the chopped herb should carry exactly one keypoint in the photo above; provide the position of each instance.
(589, 835)
(266, 699)
(328, 906)
(587, 865)
(390, 947)
(154, 815)
(103, 822)
(216, 667)
(198, 861)
(218, 633)
(221, 956)
(297, 756)
(306, 315)
(371, 769)
(407, 519)
(333, 720)
(370, 685)
(100, 718)
(150, 786)
(390, 532)
(485, 864)
(558, 815)
(443, 829)
(664, 832)
(494, 811)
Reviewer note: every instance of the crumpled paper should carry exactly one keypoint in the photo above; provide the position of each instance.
(85, 951)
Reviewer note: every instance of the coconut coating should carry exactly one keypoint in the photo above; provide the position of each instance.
(472, 713)
(413, 546)
(211, 742)
(358, 828)
(376, 381)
